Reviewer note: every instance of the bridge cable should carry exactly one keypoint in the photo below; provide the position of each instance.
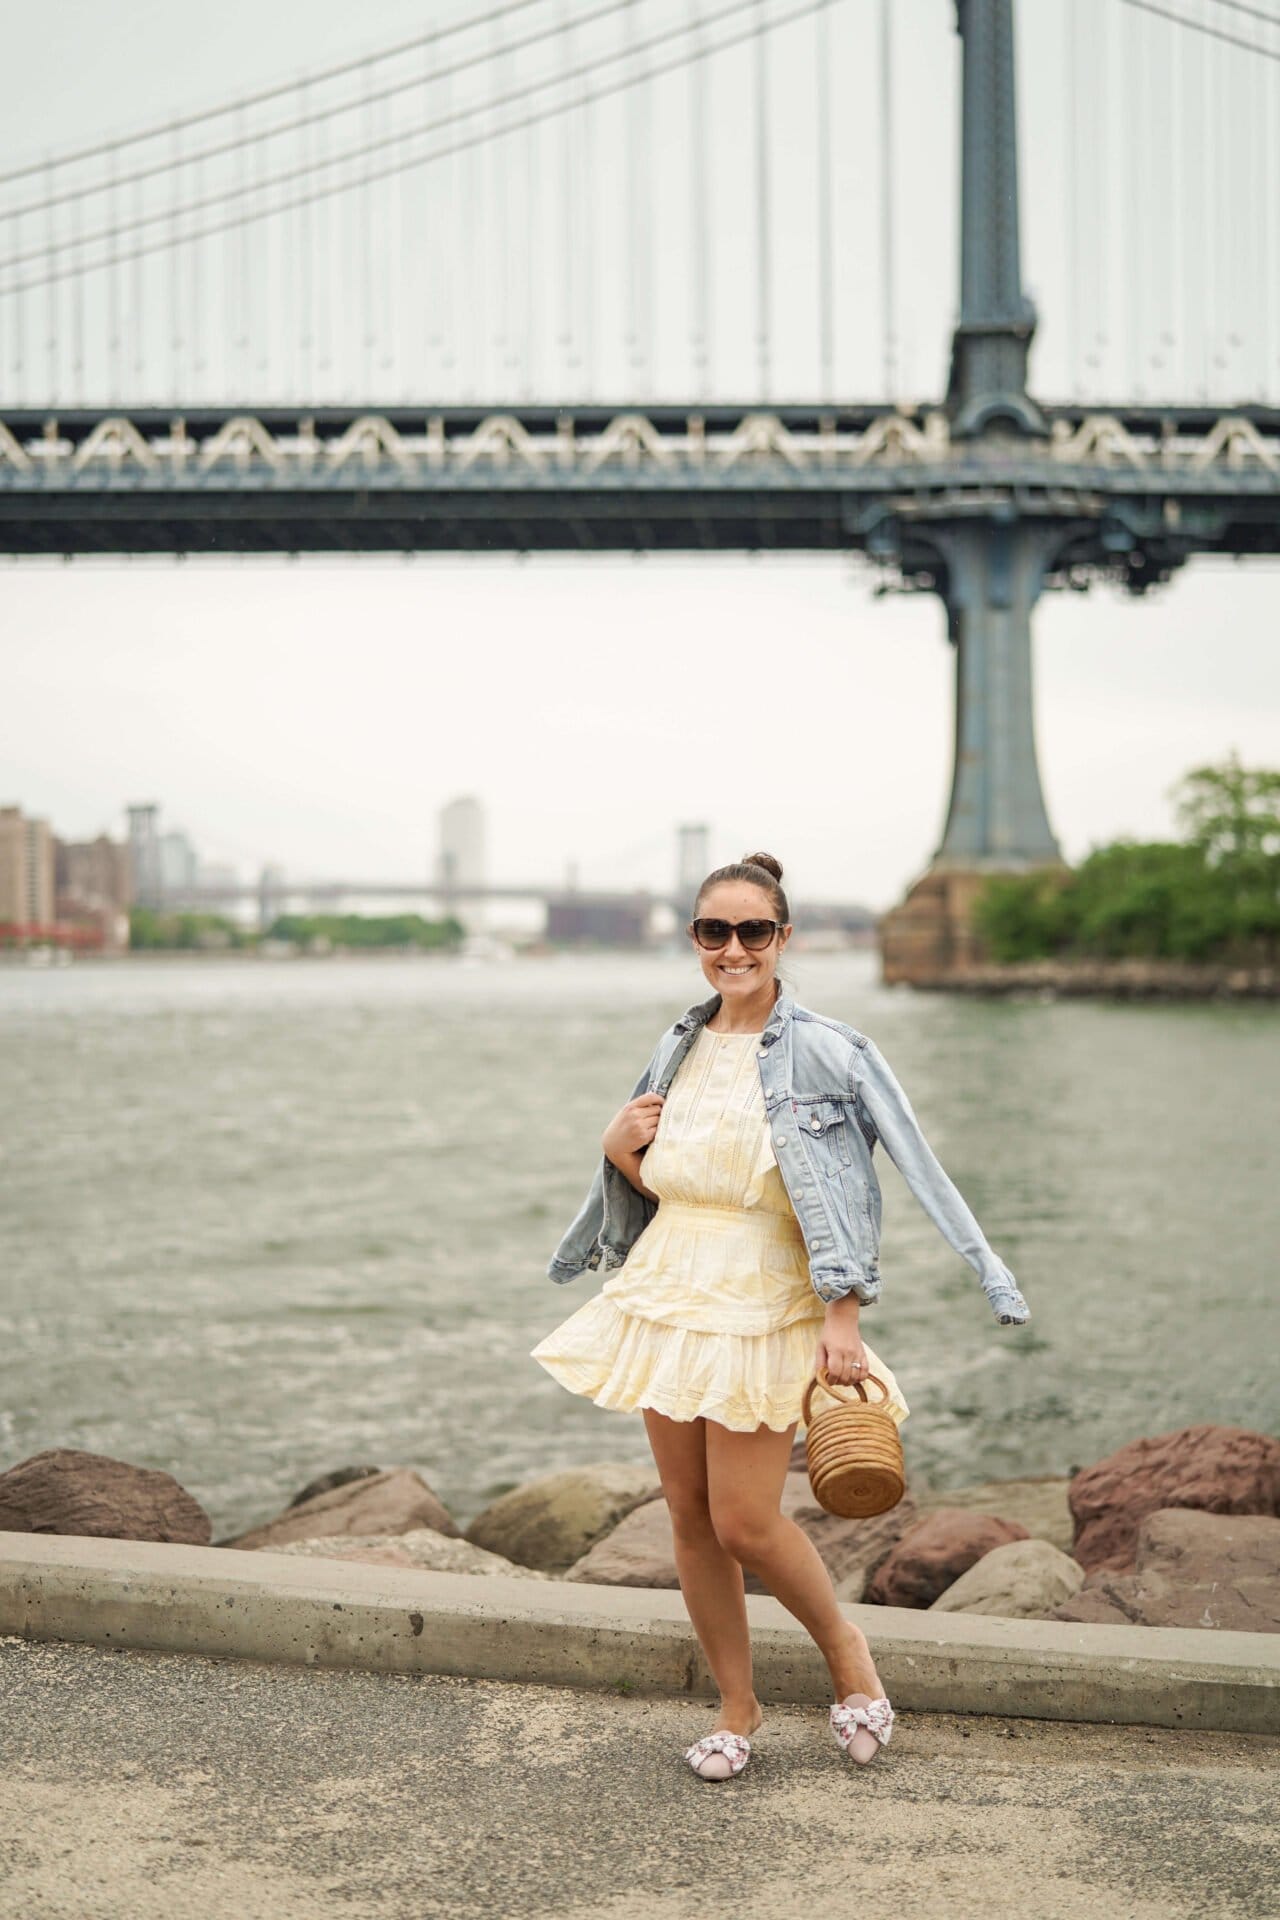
(513, 97)
(299, 123)
(1255, 13)
(888, 323)
(699, 225)
(464, 144)
(260, 98)
(825, 246)
(764, 234)
(1202, 26)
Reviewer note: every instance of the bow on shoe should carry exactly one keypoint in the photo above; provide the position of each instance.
(735, 1746)
(877, 1719)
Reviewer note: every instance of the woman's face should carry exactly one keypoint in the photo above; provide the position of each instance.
(736, 973)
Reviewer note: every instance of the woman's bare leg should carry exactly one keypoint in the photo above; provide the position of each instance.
(710, 1577)
(745, 1473)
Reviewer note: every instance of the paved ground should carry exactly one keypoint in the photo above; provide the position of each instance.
(151, 1786)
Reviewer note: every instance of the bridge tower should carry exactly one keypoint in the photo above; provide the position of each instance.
(992, 560)
(693, 860)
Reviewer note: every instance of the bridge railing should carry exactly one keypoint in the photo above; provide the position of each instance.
(509, 448)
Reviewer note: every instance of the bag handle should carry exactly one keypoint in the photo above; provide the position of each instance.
(840, 1391)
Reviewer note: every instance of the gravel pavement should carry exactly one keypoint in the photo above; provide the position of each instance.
(161, 1786)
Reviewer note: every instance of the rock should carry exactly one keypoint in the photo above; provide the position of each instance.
(636, 1553)
(936, 1551)
(1019, 1581)
(393, 1501)
(640, 1553)
(338, 1478)
(64, 1490)
(851, 1550)
(1217, 1469)
(1037, 1502)
(419, 1547)
(1192, 1569)
(553, 1521)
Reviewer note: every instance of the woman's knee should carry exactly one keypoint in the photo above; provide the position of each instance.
(690, 1514)
(745, 1532)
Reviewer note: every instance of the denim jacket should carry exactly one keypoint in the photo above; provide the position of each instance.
(829, 1096)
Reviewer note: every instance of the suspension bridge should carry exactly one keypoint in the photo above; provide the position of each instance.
(567, 277)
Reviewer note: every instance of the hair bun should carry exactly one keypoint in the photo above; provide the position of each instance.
(765, 860)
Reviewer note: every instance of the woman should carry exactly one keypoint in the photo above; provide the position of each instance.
(736, 1271)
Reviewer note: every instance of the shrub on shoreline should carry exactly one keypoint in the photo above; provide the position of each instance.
(1214, 895)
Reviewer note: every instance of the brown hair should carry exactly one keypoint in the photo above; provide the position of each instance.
(762, 870)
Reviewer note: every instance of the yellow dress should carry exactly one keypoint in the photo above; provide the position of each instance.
(713, 1313)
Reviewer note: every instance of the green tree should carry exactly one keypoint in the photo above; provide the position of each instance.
(1231, 812)
(1213, 895)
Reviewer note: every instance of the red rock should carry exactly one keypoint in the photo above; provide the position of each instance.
(1192, 1569)
(936, 1551)
(1217, 1469)
(64, 1490)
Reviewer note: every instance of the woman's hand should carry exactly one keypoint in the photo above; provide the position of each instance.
(632, 1128)
(840, 1350)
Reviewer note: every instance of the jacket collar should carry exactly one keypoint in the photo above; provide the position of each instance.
(702, 1010)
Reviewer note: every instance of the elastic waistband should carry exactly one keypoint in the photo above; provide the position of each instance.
(757, 1217)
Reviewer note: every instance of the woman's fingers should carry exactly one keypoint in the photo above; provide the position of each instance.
(843, 1366)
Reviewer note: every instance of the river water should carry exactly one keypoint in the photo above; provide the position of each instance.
(262, 1219)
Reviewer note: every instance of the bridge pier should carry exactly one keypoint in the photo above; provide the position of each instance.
(996, 815)
(996, 819)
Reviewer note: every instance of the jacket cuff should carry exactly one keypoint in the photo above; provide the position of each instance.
(832, 1286)
(1006, 1302)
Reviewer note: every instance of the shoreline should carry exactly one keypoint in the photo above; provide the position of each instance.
(1123, 980)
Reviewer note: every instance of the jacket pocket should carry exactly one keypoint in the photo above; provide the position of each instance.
(826, 1124)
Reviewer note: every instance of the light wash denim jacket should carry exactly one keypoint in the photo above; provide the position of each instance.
(829, 1095)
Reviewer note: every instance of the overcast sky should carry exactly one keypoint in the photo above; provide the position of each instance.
(317, 714)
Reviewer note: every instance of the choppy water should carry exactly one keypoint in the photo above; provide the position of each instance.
(259, 1220)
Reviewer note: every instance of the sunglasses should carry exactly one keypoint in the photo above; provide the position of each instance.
(714, 934)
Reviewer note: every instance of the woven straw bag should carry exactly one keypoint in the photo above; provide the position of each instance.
(853, 1451)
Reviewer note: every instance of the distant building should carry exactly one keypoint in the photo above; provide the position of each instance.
(693, 862)
(177, 862)
(271, 895)
(461, 860)
(144, 852)
(26, 871)
(94, 881)
(577, 922)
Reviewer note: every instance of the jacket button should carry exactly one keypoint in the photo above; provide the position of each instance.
(779, 1139)
(816, 1125)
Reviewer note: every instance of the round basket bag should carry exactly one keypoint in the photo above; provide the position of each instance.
(853, 1451)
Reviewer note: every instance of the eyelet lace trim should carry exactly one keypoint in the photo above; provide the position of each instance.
(877, 1718)
(735, 1745)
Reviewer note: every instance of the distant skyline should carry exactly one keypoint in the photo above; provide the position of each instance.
(316, 716)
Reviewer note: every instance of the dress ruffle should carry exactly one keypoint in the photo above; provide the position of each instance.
(740, 1380)
(625, 1363)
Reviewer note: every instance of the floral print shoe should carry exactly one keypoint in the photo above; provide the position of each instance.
(734, 1747)
(862, 1725)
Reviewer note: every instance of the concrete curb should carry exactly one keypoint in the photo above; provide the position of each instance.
(280, 1607)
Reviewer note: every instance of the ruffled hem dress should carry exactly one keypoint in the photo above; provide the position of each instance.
(713, 1314)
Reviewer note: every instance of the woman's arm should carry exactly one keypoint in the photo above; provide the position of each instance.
(904, 1142)
(840, 1348)
(629, 1165)
(628, 1134)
